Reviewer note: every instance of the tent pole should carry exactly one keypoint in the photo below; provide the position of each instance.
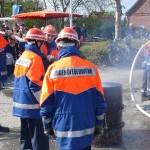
(70, 13)
(45, 22)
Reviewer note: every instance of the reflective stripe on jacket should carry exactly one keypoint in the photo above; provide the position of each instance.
(72, 96)
(29, 73)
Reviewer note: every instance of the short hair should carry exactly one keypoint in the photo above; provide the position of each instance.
(65, 42)
(22, 25)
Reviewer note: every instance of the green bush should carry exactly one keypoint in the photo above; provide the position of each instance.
(94, 51)
(97, 52)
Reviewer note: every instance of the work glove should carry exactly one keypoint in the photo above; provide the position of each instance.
(47, 124)
(98, 131)
(8, 33)
(51, 58)
(49, 132)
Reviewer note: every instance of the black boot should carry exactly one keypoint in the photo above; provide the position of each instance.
(4, 129)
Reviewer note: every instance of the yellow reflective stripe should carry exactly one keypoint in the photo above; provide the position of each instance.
(26, 106)
(101, 117)
(72, 134)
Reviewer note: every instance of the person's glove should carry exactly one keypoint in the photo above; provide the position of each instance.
(47, 124)
(98, 131)
(51, 58)
(49, 132)
(8, 33)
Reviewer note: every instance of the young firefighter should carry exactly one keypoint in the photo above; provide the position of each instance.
(72, 102)
(29, 73)
(49, 48)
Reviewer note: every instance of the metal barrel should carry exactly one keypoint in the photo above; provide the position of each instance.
(113, 116)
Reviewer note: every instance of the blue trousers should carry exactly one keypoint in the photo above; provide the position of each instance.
(32, 135)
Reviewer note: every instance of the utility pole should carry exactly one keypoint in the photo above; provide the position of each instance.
(45, 6)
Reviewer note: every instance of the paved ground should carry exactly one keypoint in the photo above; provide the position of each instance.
(135, 134)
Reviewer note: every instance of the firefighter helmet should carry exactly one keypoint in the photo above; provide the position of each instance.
(68, 33)
(35, 34)
(50, 29)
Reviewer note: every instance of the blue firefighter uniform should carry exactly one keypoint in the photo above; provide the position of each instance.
(66, 100)
(29, 73)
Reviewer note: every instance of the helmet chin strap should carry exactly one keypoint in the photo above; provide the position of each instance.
(41, 44)
(37, 45)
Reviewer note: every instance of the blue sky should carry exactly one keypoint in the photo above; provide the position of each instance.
(127, 4)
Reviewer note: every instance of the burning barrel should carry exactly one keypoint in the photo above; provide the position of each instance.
(113, 116)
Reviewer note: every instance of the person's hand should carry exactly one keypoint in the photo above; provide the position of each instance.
(51, 58)
(8, 33)
(98, 131)
(49, 132)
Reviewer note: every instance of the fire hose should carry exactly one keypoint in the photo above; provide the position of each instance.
(130, 83)
(13, 36)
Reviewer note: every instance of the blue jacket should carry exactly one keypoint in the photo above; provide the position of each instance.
(29, 73)
(72, 100)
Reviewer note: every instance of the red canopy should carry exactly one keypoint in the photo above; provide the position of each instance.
(44, 15)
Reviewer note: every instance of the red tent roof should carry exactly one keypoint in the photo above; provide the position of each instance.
(43, 15)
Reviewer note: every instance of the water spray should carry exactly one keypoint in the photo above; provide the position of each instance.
(130, 82)
(13, 36)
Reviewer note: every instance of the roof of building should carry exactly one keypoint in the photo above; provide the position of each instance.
(134, 6)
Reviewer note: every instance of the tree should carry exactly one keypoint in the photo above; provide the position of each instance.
(27, 5)
(116, 4)
(118, 15)
(88, 6)
(77, 5)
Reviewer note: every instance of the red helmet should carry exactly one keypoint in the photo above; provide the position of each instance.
(35, 34)
(68, 33)
(50, 29)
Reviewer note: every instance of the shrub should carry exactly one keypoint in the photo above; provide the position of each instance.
(94, 51)
(97, 52)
